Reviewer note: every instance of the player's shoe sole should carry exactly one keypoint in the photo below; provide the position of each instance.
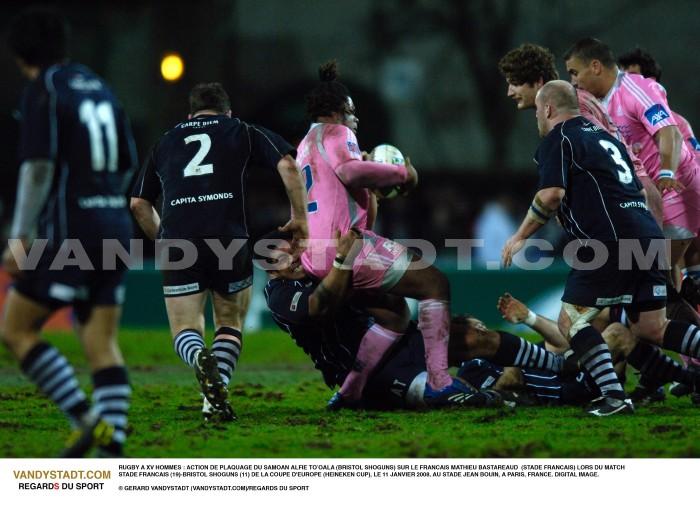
(339, 402)
(92, 434)
(207, 372)
(456, 394)
(605, 406)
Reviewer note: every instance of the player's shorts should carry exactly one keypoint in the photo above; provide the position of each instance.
(644, 289)
(390, 386)
(380, 264)
(682, 210)
(546, 387)
(55, 286)
(225, 276)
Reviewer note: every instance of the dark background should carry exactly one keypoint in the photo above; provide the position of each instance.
(423, 75)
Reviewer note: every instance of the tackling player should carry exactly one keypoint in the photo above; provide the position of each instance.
(641, 112)
(587, 180)
(199, 168)
(528, 67)
(329, 324)
(338, 182)
(77, 155)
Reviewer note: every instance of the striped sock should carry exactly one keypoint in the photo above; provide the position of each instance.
(50, 371)
(516, 351)
(653, 364)
(682, 337)
(187, 344)
(227, 348)
(111, 400)
(596, 359)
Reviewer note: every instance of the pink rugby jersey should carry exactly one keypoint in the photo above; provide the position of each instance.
(685, 128)
(329, 158)
(639, 109)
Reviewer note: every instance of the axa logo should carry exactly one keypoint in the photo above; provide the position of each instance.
(655, 114)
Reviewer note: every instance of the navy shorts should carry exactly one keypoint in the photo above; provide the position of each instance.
(207, 273)
(642, 288)
(388, 386)
(55, 287)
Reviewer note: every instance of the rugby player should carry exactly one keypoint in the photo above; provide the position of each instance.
(641, 112)
(605, 207)
(639, 61)
(328, 323)
(77, 155)
(199, 167)
(338, 182)
(528, 67)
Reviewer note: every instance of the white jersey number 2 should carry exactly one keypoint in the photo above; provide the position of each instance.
(625, 174)
(193, 167)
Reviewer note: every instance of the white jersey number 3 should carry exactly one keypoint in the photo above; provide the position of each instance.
(193, 167)
(625, 175)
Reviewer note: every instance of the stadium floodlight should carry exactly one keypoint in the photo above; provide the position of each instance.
(172, 67)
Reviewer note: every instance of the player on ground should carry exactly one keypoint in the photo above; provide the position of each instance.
(199, 168)
(338, 182)
(641, 112)
(638, 61)
(328, 324)
(586, 178)
(77, 155)
(528, 67)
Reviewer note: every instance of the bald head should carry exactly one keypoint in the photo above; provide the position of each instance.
(556, 101)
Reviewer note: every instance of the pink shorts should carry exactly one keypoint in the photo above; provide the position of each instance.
(682, 210)
(380, 264)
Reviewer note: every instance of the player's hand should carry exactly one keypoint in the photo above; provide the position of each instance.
(513, 245)
(299, 229)
(412, 180)
(513, 310)
(365, 156)
(9, 263)
(669, 184)
(349, 244)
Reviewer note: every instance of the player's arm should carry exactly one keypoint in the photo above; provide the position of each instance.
(543, 207)
(294, 185)
(515, 311)
(145, 193)
(670, 142)
(335, 287)
(33, 188)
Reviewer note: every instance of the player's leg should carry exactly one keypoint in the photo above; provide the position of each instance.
(593, 356)
(98, 331)
(43, 364)
(391, 317)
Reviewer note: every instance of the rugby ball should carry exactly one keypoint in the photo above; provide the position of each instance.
(386, 153)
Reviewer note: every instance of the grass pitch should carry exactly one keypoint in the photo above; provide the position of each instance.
(280, 401)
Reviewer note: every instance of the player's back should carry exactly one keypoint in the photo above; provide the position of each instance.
(71, 116)
(201, 167)
(331, 205)
(603, 199)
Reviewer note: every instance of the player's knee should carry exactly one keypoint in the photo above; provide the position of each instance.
(651, 331)
(619, 339)
(578, 318)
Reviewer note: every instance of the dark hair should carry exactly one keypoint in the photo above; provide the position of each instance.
(276, 239)
(648, 66)
(209, 95)
(589, 49)
(330, 95)
(39, 36)
(528, 64)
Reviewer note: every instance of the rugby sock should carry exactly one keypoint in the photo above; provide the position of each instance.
(111, 402)
(596, 359)
(692, 272)
(682, 337)
(227, 349)
(373, 346)
(434, 324)
(187, 344)
(50, 371)
(652, 363)
(516, 351)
